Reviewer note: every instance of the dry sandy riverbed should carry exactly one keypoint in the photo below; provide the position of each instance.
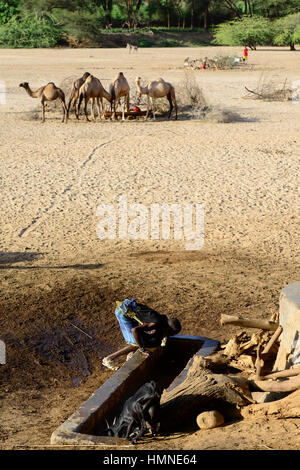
(55, 271)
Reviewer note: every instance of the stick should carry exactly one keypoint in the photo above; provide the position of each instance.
(250, 91)
(283, 373)
(81, 331)
(289, 385)
(272, 340)
(248, 323)
(259, 363)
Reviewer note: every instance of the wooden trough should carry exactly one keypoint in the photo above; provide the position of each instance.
(166, 365)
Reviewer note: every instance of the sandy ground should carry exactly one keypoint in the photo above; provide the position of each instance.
(55, 272)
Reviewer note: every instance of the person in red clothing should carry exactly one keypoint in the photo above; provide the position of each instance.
(245, 54)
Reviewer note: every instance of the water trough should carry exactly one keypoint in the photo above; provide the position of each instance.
(166, 365)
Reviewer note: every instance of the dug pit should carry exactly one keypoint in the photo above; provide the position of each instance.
(166, 365)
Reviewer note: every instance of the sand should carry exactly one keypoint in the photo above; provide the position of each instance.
(55, 270)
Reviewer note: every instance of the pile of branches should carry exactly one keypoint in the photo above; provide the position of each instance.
(238, 381)
(220, 62)
(269, 90)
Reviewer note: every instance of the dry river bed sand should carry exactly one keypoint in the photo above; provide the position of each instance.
(55, 271)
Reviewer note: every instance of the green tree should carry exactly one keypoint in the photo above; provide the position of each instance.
(275, 8)
(8, 9)
(29, 31)
(287, 31)
(247, 31)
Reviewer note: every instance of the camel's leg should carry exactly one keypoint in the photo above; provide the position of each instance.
(64, 107)
(70, 100)
(123, 108)
(153, 108)
(102, 109)
(98, 107)
(148, 105)
(93, 109)
(43, 110)
(86, 100)
(175, 105)
(171, 104)
(65, 111)
(79, 104)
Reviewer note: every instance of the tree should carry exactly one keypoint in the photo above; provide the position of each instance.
(29, 31)
(247, 31)
(276, 8)
(287, 31)
(8, 9)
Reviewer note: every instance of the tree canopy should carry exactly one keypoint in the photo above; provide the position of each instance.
(232, 22)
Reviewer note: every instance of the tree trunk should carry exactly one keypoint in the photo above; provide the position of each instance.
(197, 389)
(292, 47)
(192, 15)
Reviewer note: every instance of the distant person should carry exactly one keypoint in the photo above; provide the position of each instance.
(245, 54)
(142, 327)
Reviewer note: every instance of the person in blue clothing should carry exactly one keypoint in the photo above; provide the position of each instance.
(142, 327)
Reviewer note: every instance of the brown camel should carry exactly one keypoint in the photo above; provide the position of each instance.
(74, 95)
(92, 89)
(49, 92)
(157, 89)
(119, 88)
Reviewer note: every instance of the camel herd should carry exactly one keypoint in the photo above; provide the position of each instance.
(88, 88)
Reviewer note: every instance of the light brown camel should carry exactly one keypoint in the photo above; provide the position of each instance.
(119, 88)
(157, 89)
(49, 92)
(74, 95)
(92, 89)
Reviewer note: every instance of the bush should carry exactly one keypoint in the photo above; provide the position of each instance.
(248, 31)
(287, 31)
(30, 32)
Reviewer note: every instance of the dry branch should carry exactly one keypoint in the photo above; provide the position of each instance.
(288, 407)
(283, 374)
(289, 385)
(273, 340)
(248, 323)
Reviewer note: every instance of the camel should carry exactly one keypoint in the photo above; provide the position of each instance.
(157, 89)
(119, 88)
(49, 92)
(93, 89)
(74, 95)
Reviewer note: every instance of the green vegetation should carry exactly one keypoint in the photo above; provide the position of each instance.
(112, 23)
(249, 31)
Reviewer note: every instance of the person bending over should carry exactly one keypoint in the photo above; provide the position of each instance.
(142, 327)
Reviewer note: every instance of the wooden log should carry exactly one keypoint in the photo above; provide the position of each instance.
(288, 407)
(201, 390)
(289, 385)
(248, 322)
(283, 373)
(273, 340)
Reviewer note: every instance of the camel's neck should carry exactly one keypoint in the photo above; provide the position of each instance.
(141, 89)
(106, 94)
(33, 94)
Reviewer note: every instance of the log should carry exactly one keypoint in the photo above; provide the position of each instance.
(288, 407)
(201, 390)
(289, 385)
(273, 340)
(248, 322)
(282, 373)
